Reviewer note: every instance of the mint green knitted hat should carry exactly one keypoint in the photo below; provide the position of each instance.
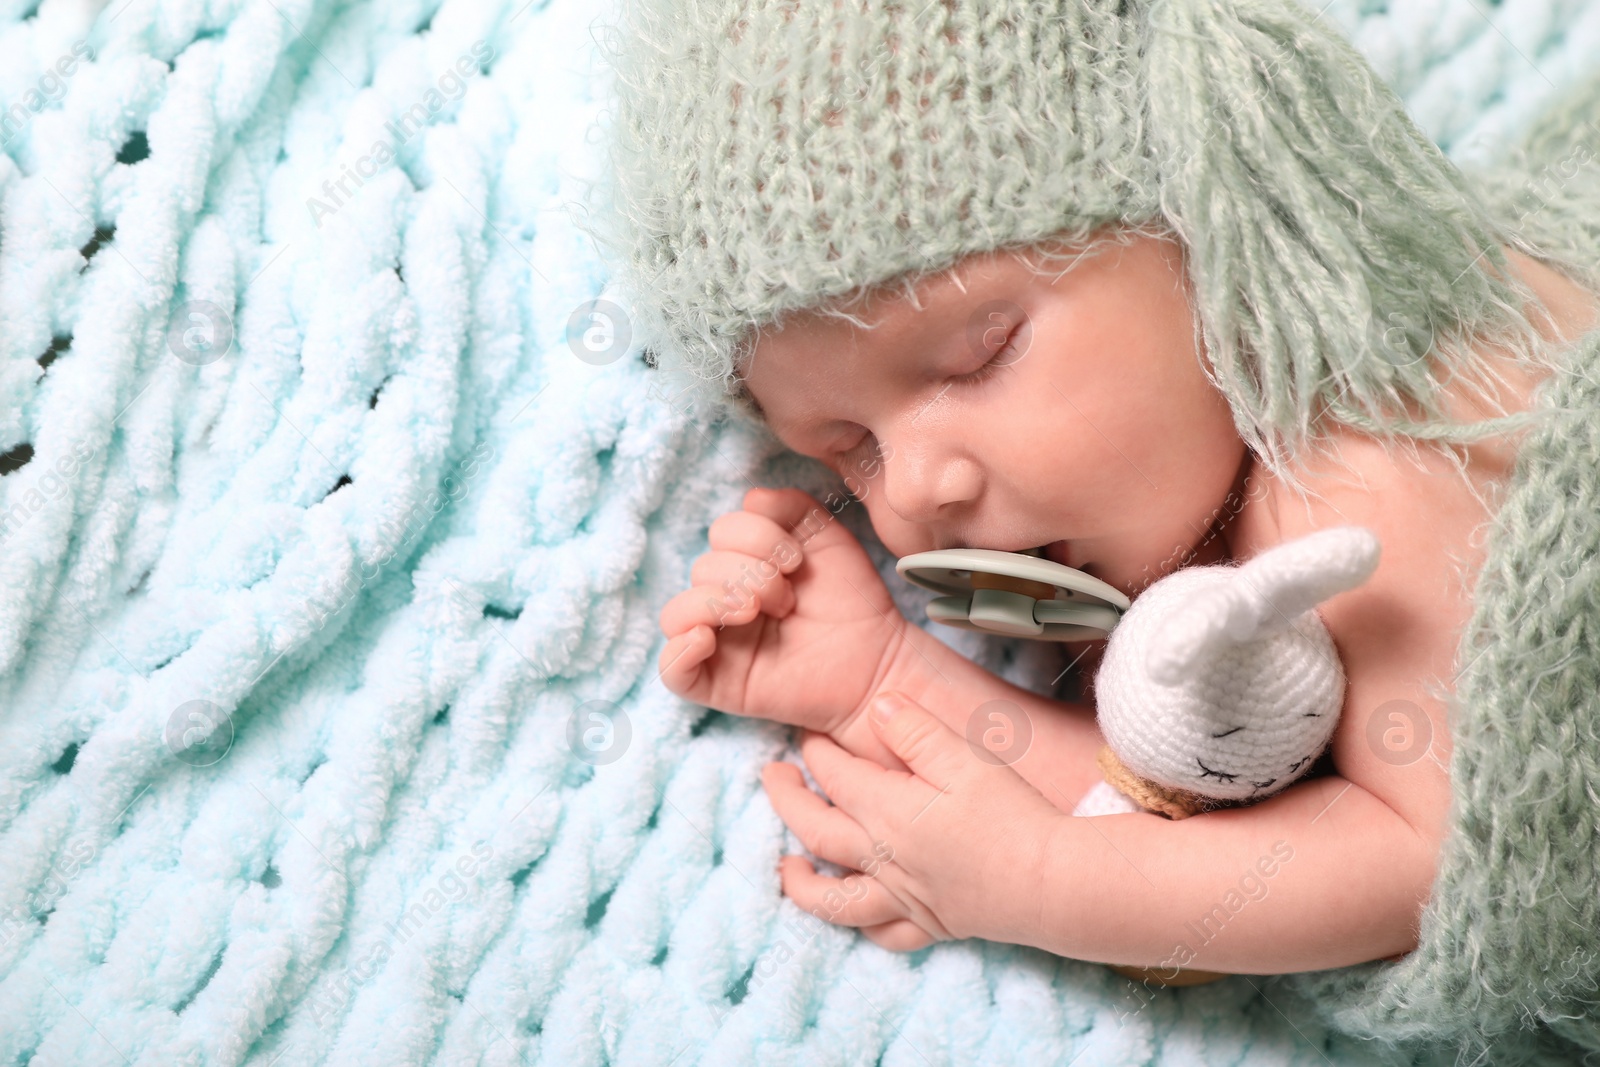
(770, 157)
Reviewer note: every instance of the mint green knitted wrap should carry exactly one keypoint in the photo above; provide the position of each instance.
(767, 158)
(1507, 966)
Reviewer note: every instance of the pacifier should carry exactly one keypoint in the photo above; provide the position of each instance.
(1014, 594)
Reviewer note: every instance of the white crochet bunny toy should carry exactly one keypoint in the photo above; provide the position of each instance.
(1221, 684)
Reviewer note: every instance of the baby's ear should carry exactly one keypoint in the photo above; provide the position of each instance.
(1328, 236)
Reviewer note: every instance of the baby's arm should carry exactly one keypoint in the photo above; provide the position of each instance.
(1059, 761)
(1321, 875)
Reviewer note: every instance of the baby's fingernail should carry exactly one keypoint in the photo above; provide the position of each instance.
(885, 705)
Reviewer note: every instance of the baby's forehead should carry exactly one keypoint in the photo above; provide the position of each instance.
(902, 297)
(924, 308)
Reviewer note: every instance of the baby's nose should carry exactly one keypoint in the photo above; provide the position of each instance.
(925, 482)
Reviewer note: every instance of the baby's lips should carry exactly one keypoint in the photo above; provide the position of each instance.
(1059, 552)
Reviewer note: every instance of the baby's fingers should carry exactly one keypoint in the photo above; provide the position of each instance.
(742, 577)
(808, 523)
(679, 662)
(823, 829)
(854, 900)
(901, 935)
(706, 605)
(758, 536)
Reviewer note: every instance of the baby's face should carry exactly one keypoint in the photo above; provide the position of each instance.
(1018, 410)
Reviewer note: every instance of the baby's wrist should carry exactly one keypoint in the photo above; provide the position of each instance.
(907, 667)
(1025, 876)
(917, 662)
(856, 736)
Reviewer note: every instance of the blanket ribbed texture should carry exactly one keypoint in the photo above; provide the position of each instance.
(297, 629)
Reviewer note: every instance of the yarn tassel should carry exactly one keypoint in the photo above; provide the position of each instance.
(1323, 226)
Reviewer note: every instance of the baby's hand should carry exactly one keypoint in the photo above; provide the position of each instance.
(786, 619)
(953, 847)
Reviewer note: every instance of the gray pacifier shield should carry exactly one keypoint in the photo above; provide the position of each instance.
(1082, 609)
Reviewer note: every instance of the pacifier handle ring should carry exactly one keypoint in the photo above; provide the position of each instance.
(948, 571)
(1000, 593)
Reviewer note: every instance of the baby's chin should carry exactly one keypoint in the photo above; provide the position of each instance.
(1128, 577)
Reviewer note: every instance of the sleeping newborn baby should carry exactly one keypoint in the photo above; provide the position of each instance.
(1142, 286)
(1083, 423)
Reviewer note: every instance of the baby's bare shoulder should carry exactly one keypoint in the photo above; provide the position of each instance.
(1398, 633)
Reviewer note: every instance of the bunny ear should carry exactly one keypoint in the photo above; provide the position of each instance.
(1262, 597)
(1298, 575)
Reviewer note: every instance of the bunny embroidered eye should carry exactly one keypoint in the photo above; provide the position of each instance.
(1207, 772)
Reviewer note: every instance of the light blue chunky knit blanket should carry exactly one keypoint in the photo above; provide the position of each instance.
(332, 541)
